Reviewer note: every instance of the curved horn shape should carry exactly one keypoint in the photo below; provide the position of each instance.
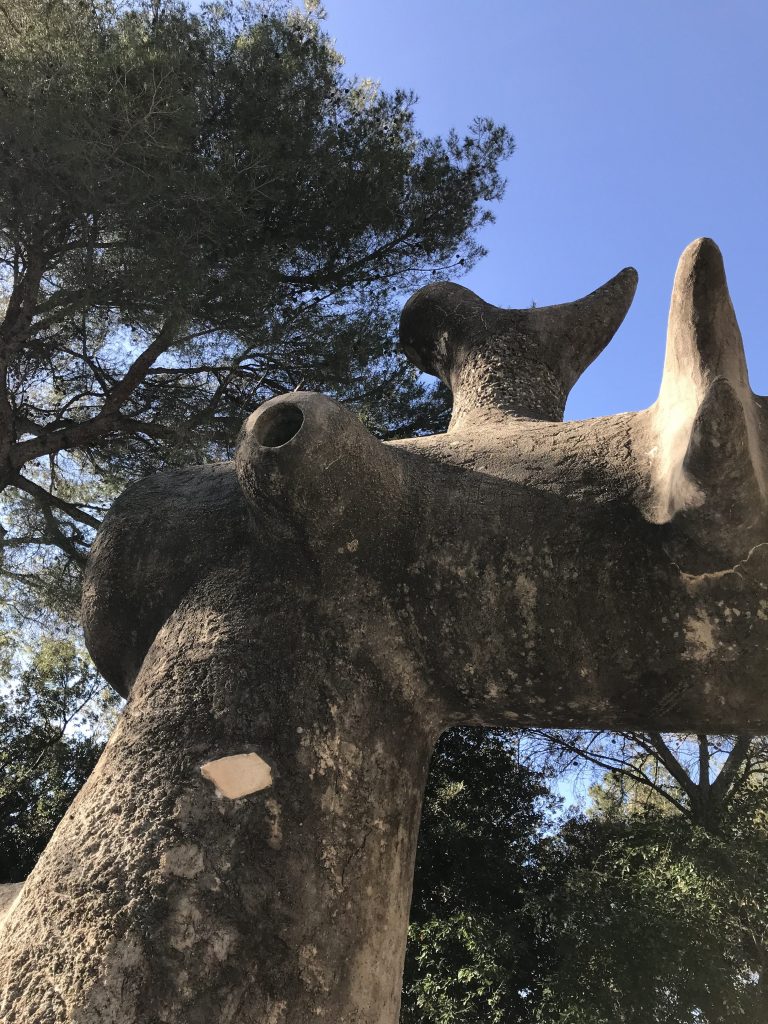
(703, 336)
(519, 362)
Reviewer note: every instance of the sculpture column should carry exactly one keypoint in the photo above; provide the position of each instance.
(244, 850)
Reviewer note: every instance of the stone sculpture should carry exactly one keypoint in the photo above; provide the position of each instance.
(296, 629)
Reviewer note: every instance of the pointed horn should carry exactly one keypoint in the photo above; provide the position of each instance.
(521, 362)
(703, 336)
(574, 334)
(707, 462)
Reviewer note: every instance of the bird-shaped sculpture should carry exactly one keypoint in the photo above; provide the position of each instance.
(294, 630)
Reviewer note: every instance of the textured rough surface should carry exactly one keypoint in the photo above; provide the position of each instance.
(327, 604)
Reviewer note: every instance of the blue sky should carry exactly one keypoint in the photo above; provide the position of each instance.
(639, 127)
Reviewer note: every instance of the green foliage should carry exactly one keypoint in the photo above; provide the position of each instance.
(658, 921)
(628, 914)
(482, 866)
(463, 968)
(54, 716)
(199, 210)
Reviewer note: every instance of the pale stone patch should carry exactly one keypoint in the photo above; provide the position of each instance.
(183, 861)
(700, 637)
(275, 826)
(184, 923)
(276, 1011)
(674, 415)
(238, 775)
(310, 971)
(8, 894)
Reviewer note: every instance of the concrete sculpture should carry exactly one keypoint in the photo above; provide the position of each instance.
(296, 628)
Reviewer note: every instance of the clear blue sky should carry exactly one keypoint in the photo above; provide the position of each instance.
(639, 127)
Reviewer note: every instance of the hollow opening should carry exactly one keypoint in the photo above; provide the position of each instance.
(278, 424)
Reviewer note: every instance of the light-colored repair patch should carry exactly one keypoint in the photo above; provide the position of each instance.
(699, 637)
(275, 827)
(9, 893)
(310, 970)
(238, 775)
(183, 861)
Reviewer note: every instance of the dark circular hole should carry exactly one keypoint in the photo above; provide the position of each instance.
(278, 425)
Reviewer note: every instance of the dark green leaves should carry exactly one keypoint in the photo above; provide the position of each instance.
(199, 210)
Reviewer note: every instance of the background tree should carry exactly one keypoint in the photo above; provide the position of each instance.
(628, 910)
(197, 211)
(658, 919)
(700, 777)
(54, 716)
(483, 871)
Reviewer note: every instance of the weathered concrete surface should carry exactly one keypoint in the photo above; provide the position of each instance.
(310, 618)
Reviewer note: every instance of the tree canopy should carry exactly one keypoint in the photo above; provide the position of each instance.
(199, 209)
(627, 909)
(482, 867)
(54, 714)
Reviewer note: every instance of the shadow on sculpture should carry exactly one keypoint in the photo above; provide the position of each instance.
(296, 628)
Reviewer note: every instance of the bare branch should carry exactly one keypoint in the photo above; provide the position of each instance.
(42, 497)
(703, 742)
(727, 776)
(66, 543)
(673, 766)
(88, 432)
(139, 368)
